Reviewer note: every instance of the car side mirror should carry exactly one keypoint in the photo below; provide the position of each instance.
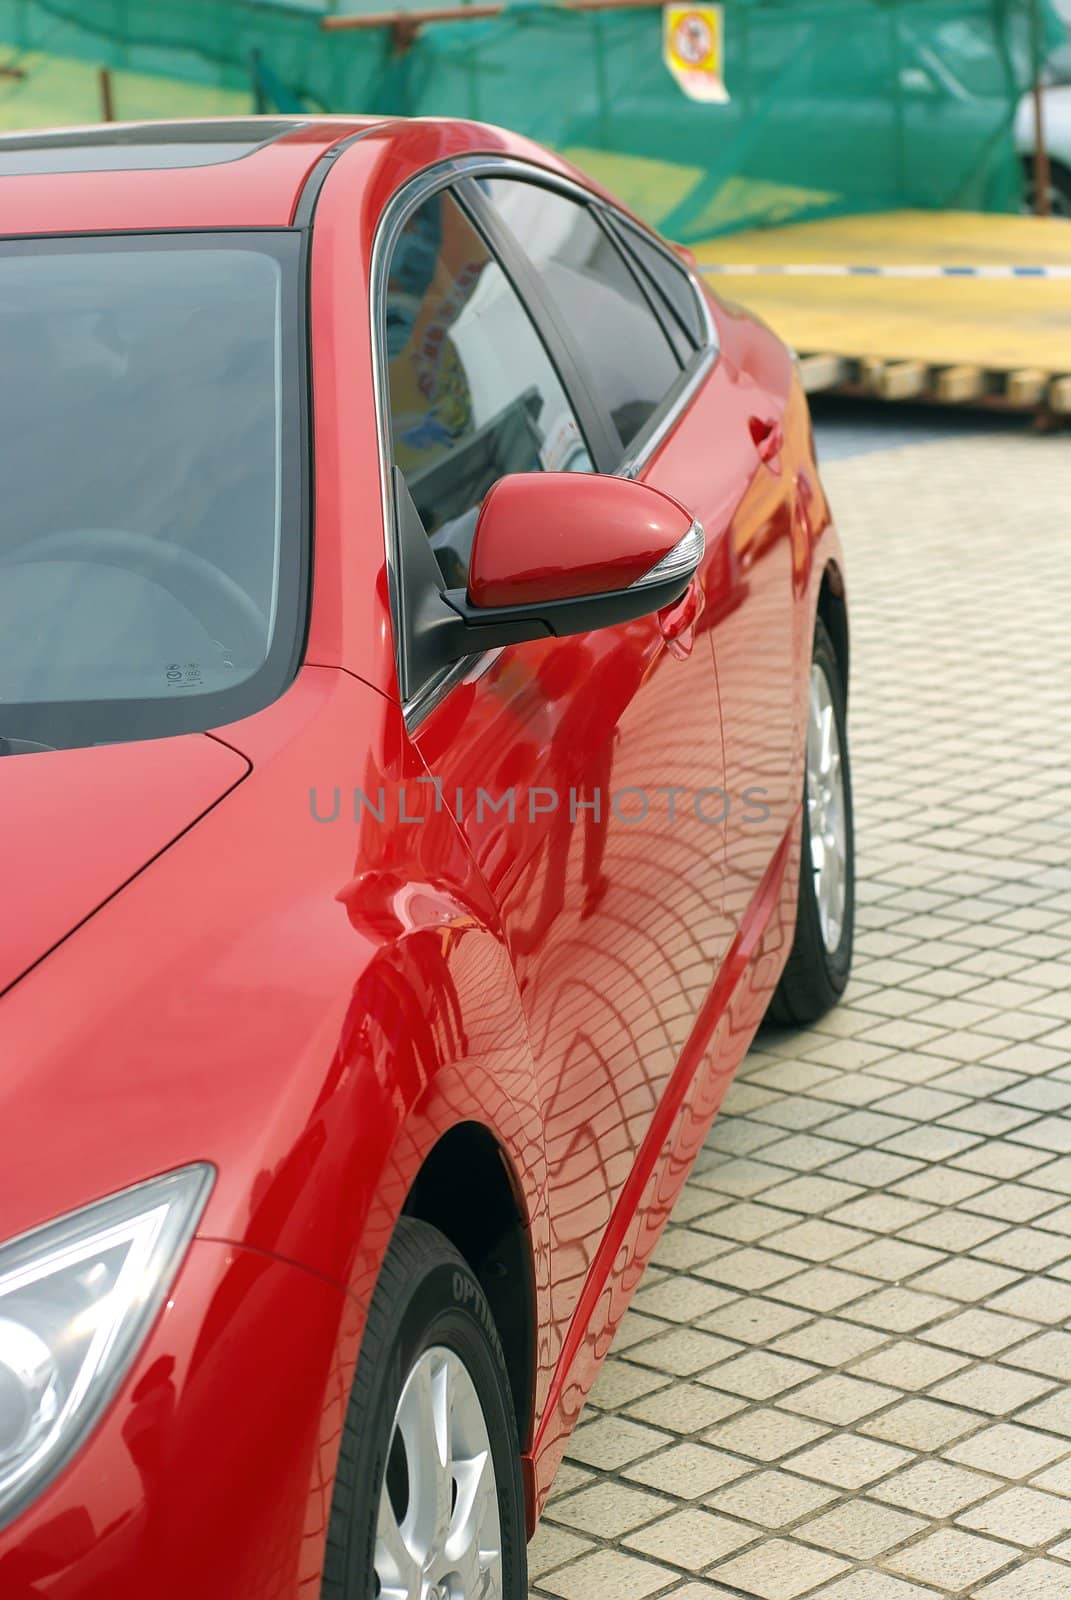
(553, 553)
(556, 553)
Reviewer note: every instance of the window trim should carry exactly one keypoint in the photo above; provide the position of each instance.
(625, 235)
(405, 589)
(628, 461)
(600, 435)
(651, 296)
(695, 371)
(419, 700)
(543, 304)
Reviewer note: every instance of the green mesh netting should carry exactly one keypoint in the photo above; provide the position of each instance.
(835, 105)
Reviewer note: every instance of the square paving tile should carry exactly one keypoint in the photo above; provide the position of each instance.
(771, 1499)
(830, 1342)
(691, 1539)
(684, 1408)
(778, 1569)
(1049, 1353)
(761, 1374)
(935, 1488)
(865, 1584)
(980, 1333)
(608, 1573)
(688, 1471)
(847, 1375)
(849, 1461)
(952, 1559)
(921, 1424)
(755, 1321)
(608, 1509)
(611, 1442)
(765, 1435)
(1053, 1413)
(1036, 1580)
(1009, 1450)
(899, 1310)
(1057, 1478)
(839, 1399)
(910, 1365)
(861, 1529)
(996, 1390)
(823, 1289)
(1029, 1517)
(683, 1352)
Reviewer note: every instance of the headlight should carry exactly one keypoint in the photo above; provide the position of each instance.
(76, 1299)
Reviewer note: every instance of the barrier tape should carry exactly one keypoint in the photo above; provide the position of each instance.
(821, 269)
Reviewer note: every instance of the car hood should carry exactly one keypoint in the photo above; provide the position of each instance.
(75, 825)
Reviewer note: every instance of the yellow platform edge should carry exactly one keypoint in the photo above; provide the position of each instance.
(956, 341)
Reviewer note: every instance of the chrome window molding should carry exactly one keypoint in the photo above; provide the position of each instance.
(662, 424)
(419, 700)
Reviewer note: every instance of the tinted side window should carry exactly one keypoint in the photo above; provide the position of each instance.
(671, 283)
(473, 393)
(605, 311)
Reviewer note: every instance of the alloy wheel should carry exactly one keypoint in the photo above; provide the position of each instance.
(438, 1533)
(826, 810)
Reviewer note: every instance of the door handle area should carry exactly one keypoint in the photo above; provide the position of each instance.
(677, 622)
(768, 439)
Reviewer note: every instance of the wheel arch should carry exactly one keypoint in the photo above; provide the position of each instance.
(468, 1189)
(833, 610)
(444, 1107)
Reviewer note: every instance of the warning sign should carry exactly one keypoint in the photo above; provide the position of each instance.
(693, 44)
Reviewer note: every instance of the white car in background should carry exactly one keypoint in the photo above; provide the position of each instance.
(1057, 126)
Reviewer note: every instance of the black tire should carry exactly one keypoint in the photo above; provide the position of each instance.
(426, 1297)
(815, 978)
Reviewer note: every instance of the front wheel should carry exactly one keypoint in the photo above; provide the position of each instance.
(428, 1503)
(820, 961)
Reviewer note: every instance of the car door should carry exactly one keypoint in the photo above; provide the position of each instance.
(715, 441)
(570, 765)
(738, 463)
(757, 420)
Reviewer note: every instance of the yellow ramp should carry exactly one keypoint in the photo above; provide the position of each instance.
(1001, 326)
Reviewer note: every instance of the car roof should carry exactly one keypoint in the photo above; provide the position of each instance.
(136, 146)
(236, 172)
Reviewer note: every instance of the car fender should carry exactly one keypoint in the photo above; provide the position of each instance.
(277, 994)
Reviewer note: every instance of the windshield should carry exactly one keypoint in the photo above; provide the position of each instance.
(150, 463)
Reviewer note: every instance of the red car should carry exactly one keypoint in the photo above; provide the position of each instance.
(424, 670)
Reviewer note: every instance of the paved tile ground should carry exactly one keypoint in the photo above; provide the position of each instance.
(846, 1373)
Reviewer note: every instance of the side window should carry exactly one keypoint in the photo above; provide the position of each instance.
(473, 393)
(670, 282)
(605, 311)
